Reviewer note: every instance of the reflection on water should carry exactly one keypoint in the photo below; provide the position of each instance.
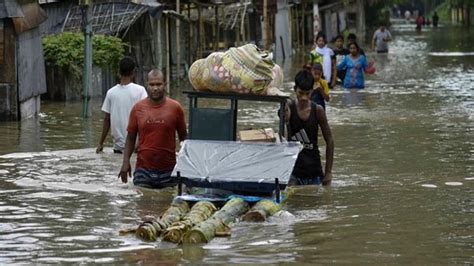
(402, 190)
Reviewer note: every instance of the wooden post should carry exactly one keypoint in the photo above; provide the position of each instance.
(237, 36)
(247, 27)
(290, 26)
(361, 30)
(158, 47)
(190, 36)
(303, 24)
(242, 25)
(178, 39)
(168, 63)
(297, 24)
(265, 24)
(317, 21)
(217, 29)
(199, 35)
(203, 38)
(213, 41)
(466, 15)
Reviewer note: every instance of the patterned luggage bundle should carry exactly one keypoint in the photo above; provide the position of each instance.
(244, 69)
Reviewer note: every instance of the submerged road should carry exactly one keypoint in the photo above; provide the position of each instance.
(403, 176)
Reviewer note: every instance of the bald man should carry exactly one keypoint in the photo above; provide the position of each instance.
(155, 120)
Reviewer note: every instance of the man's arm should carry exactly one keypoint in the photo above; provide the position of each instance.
(181, 128)
(182, 134)
(126, 169)
(374, 38)
(105, 131)
(287, 111)
(326, 130)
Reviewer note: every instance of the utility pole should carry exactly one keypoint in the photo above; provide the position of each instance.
(86, 77)
(178, 47)
(266, 41)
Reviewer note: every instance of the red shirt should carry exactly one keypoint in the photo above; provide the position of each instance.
(156, 125)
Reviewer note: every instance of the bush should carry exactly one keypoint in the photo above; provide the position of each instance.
(66, 50)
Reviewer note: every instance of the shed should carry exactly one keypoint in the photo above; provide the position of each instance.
(22, 73)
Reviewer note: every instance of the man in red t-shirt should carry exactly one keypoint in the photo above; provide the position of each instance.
(155, 120)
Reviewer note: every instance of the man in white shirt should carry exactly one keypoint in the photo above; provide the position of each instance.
(117, 105)
(380, 40)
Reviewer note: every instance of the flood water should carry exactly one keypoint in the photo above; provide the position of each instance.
(402, 192)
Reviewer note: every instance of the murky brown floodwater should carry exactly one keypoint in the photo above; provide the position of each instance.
(402, 190)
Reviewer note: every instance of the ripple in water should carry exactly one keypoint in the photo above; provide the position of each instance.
(453, 183)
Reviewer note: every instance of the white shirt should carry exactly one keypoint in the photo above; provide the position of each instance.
(118, 103)
(380, 37)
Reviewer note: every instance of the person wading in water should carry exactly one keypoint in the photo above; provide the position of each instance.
(303, 119)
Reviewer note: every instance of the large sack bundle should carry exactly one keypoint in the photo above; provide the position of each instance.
(277, 74)
(244, 69)
(204, 74)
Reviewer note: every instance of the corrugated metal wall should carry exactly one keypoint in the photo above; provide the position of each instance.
(56, 13)
(282, 33)
(30, 68)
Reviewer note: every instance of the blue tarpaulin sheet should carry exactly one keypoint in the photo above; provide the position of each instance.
(240, 167)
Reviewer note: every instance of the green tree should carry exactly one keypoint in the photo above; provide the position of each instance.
(66, 51)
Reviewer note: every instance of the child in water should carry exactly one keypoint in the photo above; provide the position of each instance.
(320, 93)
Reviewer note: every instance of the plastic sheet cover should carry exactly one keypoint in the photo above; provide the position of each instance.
(241, 166)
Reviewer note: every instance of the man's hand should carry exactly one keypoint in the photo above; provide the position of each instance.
(333, 83)
(125, 172)
(100, 148)
(327, 179)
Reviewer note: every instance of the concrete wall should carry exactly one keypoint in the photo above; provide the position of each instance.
(30, 108)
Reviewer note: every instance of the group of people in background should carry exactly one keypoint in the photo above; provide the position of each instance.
(340, 64)
(421, 21)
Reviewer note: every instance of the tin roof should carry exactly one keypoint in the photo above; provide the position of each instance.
(110, 18)
(26, 14)
(10, 9)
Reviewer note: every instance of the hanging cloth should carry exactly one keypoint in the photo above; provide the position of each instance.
(327, 64)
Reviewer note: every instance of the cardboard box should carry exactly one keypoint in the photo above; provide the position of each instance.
(258, 135)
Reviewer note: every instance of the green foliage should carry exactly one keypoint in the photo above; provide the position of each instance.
(377, 14)
(66, 50)
(444, 12)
